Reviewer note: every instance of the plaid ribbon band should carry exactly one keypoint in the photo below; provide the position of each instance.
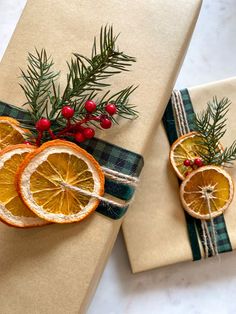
(178, 119)
(111, 156)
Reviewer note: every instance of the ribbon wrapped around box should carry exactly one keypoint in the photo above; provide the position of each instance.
(168, 234)
(55, 269)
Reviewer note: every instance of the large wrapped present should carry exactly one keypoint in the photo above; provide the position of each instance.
(55, 269)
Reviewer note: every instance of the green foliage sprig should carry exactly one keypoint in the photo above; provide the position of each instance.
(211, 125)
(38, 81)
(86, 79)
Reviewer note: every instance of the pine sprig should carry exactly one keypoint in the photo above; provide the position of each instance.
(86, 78)
(228, 155)
(38, 81)
(87, 75)
(211, 125)
(121, 99)
(103, 64)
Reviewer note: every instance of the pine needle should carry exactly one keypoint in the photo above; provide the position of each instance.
(38, 81)
(86, 78)
(211, 125)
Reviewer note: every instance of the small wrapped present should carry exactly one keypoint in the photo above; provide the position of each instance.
(55, 269)
(166, 233)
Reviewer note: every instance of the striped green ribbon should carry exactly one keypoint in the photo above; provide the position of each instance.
(194, 225)
(108, 155)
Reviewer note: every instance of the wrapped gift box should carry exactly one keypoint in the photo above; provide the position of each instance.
(157, 214)
(55, 269)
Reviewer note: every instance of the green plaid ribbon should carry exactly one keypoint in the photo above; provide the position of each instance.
(194, 225)
(111, 156)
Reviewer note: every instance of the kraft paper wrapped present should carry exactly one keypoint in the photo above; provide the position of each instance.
(166, 235)
(55, 269)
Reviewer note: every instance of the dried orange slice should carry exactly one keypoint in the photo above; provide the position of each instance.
(207, 192)
(185, 148)
(44, 177)
(12, 210)
(10, 132)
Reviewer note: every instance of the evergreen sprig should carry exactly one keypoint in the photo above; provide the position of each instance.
(86, 79)
(211, 125)
(87, 74)
(38, 81)
(228, 155)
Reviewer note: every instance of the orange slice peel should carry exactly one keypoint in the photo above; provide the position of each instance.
(45, 174)
(207, 192)
(12, 209)
(184, 153)
(10, 132)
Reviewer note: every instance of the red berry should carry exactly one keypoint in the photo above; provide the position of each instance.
(90, 106)
(111, 109)
(187, 163)
(79, 137)
(67, 112)
(27, 143)
(187, 173)
(198, 162)
(89, 132)
(105, 123)
(43, 125)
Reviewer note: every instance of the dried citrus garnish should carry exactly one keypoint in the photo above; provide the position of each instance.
(10, 132)
(45, 175)
(184, 154)
(207, 192)
(12, 210)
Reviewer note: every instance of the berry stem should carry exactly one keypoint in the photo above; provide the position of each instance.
(53, 136)
(78, 125)
(78, 129)
(89, 118)
(68, 124)
(39, 138)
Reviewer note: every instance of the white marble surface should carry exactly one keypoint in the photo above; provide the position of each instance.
(194, 288)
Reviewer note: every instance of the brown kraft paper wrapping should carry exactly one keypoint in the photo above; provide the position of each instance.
(157, 213)
(55, 269)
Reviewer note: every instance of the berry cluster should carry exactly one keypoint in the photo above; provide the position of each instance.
(78, 129)
(194, 164)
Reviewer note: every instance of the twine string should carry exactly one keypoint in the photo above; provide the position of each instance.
(95, 195)
(176, 113)
(115, 175)
(182, 127)
(180, 114)
(205, 244)
(213, 230)
(208, 239)
(184, 115)
(120, 177)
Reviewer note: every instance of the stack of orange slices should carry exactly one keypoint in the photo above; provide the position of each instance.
(207, 190)
(35, 181)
